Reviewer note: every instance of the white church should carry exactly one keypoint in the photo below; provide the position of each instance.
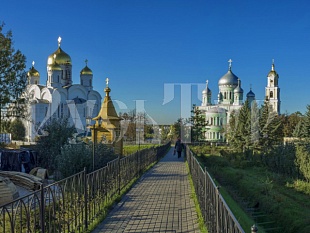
(230, 98)
(59, 97)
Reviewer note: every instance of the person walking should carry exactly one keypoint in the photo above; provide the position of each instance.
(179, 147)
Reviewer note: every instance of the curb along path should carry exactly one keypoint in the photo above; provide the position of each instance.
(159, 202)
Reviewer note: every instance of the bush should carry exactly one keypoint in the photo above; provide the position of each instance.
(74, 157)
(303, 160)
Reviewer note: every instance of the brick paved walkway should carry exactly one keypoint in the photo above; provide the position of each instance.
(159, 202)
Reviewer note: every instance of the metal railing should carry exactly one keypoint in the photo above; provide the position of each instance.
(74, 203)
(216, 213)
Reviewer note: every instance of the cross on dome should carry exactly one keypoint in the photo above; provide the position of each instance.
(86, 61)
(33, 63)
(107, 82)
(272, 66)
(59, 41)
(230, 61)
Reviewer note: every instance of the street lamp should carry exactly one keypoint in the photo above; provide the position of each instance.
(94, 135)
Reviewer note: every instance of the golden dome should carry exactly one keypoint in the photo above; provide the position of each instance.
(55, 66)
(33, 72)
(62, 58)
(86, 70)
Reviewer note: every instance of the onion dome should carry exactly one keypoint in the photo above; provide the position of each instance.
(250, 93)
(54, 65)
(86, 70)
(229, 78)
(272, 71)
(62, 57)
(238, 89)
(33, 72)
(206, 90)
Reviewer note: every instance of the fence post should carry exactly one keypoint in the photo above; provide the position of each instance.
(205, 200)
(42, 214)
(85, 199)
(254, 229)
(119, 174)
(217, 210)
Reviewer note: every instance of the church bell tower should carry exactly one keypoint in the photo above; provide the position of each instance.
(273, 89)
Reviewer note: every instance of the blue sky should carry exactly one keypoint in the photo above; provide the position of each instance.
(141, 45)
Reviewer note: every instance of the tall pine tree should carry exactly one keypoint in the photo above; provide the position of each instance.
(198, 124)
(270, 126)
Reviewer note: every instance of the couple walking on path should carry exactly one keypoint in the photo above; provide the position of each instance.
(179, 146)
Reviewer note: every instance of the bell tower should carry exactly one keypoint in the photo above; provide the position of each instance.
(273, 89)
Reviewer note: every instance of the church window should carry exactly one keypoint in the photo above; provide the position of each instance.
(81, 81)
(211, 121)
(90, 82)
(271, 94)
(229, 95)
(225, 95)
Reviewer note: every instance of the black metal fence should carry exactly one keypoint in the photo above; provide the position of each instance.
(75, 203)
(216, 213)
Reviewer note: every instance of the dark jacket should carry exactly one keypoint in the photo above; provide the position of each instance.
(179, 145)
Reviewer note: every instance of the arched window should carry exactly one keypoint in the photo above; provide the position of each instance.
(225, 95)
(271, 94)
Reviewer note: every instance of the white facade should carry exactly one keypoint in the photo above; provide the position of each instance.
(59, 97)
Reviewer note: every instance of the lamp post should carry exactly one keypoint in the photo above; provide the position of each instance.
(94, 135)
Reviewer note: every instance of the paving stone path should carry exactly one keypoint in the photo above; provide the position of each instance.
(159, 202)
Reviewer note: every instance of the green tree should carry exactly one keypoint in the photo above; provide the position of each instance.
(198, 124)
(178, 127)
(239, 133)
(56, 135)
(255, 130)
(290, 122)
(302, 160)
(305, 129)
(270, 127)
(13, 78)
(164, 133)
(18, 130)
(298, 130)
